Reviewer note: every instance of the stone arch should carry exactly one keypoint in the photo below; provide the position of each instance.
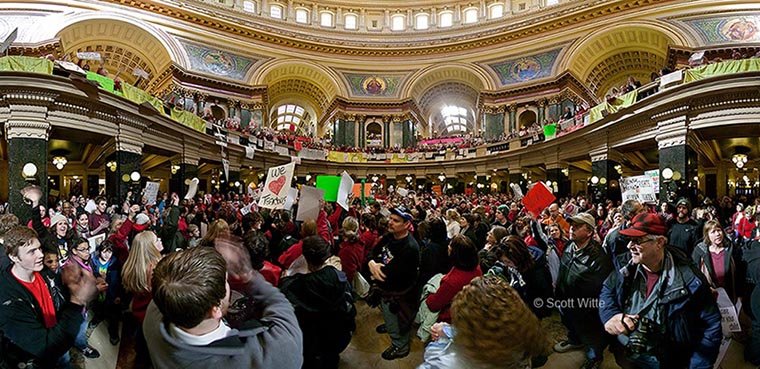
(444, 94)
(612, 54)
(126, 43)
(526, 118)
(468, 74)
(278, 70)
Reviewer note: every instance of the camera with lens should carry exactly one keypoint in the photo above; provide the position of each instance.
(645, 339)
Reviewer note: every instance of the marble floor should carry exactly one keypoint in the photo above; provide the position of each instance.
(367, 345)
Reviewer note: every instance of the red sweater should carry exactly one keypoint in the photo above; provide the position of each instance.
(351, 256)
(451, 284)
(271, 273)
(291, 254)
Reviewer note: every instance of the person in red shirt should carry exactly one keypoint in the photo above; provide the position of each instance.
(32, 330)
(258, 248)
(464, 258)
(351, 251)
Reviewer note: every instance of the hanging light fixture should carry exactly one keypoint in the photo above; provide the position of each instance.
(59, 162)
(111, 165)
(442, 177)
(175, 168)
(739, 160)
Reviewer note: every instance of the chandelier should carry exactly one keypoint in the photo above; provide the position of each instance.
(59, 162)
(739, 160)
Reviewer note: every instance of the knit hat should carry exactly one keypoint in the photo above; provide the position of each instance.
(57, 218)
(644, 224)
(141, 219)
(684, 202)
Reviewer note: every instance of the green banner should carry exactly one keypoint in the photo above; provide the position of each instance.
(330, 185)
(189, 119)
(718, 69)
(105, 82)
(26, 64)
(549, 131)
(613, 105)
(139, 96)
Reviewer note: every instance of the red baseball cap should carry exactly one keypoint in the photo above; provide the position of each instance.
(644, 224)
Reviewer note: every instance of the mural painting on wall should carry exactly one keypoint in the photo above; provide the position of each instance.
(526, 68)
(217, 62)
(372, 85)
(731, 28)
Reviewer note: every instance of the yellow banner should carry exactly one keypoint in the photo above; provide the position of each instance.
(139, 96)
(718, 69)
(26, 64)
(189, 119)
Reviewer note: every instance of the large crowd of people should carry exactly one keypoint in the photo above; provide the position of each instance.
(214, 280)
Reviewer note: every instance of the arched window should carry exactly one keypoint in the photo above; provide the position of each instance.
(495, 11)
(302, 16)
(350, 21)
(289, 117)
(470, 15)
(397, 22)
(326, 19)
(249, 6)
(455, 118)
(275, 11)
(446, 19)
(421, 21)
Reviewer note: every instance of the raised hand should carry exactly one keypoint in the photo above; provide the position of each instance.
(81, 284)
(237, 257)
(32, 194)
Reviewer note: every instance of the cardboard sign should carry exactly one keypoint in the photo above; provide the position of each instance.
(94, 242)
(516, 190)
(330, 184)
(275, 190)
(249, 152)
(638, 188)
(308, 203)
(538, 198)
(91, 206)
(192, 189)
(151, 191)
(346, 188)
(729, 321)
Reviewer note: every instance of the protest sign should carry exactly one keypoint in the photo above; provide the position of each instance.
(89, 55)
(151, 191)
(402, 191)
(516, 190)
(357, 190)
(729, 321)
(275, 190)
(538, 198)
(344, 189)
(192, 189)
(330, 184)
(91, 206)
(249, 152)
(655, 175)
(292, 196)
(638, 188)
(308, 203)
(95, 241)
(226, 165)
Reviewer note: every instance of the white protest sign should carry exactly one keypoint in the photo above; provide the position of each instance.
(275, 190)
(89, 55)
(94, 242)
(729, 318)
(69, 66)
(309, 202)
(292, 196)
(249, 152)
(655, 175)
(346, 188)
(402, 191)
(91, 206)
(638, 188)
(226, 165)
(192, 190)
(139, 72)
(245, 210)
(516, 190)
(151, 191)
(9, 40)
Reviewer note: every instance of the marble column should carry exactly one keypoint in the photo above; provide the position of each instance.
(118, 180)
(675, 143)
(604, 173)
(27, 135)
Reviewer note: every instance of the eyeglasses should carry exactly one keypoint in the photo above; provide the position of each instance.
(641, 241)
(82, 250)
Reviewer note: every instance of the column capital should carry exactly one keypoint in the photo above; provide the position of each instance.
(27, 129)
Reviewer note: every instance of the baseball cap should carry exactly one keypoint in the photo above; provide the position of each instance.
(584, 218)
(644, 224)
(402, 212)
(504, 209)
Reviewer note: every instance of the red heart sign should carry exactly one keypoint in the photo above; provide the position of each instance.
(276, 185)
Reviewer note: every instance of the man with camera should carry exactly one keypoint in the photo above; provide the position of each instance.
(660, 306)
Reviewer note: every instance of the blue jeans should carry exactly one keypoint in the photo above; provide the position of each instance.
(81, 340)
(400, 336)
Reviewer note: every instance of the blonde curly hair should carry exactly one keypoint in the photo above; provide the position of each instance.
(494, 326)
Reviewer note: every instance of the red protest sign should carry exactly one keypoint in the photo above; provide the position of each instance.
(538, 198)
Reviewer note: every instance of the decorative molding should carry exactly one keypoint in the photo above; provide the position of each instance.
(27, 129)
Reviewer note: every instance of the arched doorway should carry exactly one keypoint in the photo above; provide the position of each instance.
(527, 119)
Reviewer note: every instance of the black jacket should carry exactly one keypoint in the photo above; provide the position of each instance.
(401, 259)
(684, 236)
(582, 272)
(23, 327)
(324, 306)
